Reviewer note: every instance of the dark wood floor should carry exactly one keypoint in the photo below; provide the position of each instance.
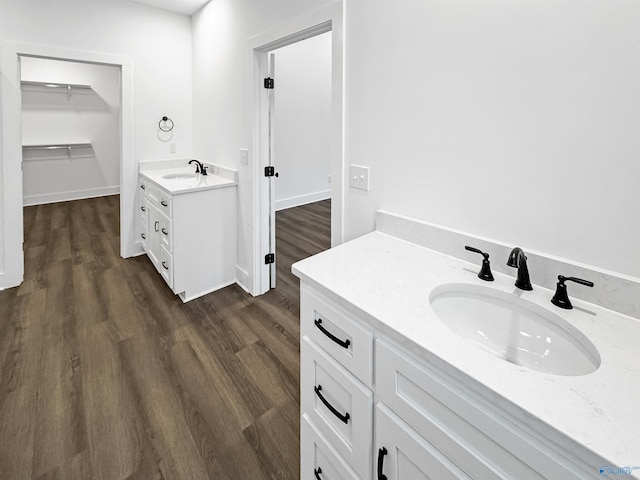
(105, 374)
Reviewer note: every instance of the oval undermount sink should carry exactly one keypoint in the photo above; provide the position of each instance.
(180, 176)
(514, 329)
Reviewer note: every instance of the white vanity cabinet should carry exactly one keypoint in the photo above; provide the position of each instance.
(189, 237)
(408, 419)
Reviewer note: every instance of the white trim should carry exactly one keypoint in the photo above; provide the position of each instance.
(12, 257)
(300, 200)
(327, 18)
(30, 200)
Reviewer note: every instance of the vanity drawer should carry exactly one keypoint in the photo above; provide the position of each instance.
(165, 203)
(338, 404)
(317, 458)
(166, 233)
(142, 210)
(346, 340)
(166, 266)
(477, 438)
(144, 230)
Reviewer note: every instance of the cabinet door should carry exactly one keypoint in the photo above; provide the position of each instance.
(402, 454)
(153, 235)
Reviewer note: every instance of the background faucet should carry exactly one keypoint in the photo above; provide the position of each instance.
(200, 168)
(518, 259)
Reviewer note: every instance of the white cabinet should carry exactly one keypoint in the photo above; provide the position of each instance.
(427, 424)
(402, 454)
(190, 237)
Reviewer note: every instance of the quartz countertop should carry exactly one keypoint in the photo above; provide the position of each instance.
(217, 176)
(388, 281)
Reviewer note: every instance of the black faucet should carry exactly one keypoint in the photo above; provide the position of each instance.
(518, 259)
(200, 168)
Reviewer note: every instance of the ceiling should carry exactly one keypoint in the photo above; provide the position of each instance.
(186, 7)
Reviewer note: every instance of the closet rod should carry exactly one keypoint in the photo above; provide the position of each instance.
(66, 146)
(65, 86)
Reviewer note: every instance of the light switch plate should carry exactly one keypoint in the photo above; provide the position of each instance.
(359, 177)
(244, 156)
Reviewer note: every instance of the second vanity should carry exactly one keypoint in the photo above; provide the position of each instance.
(389, 391)
(187, 225)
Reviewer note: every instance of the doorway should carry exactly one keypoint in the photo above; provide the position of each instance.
(11, 227)
(70, 122)
(320, 22)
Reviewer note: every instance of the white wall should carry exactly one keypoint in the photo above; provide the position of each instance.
(157, 41)
(52, 116)
(302, 121)
(513, 120)
(222, 116)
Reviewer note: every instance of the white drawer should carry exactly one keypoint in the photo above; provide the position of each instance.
(338, 404)
(344, 339)
(152, 193)
(165, 203)
(318, 460)
(166, 266)
(166, 233)
(142, 210)
(144, 230)
(475, 436)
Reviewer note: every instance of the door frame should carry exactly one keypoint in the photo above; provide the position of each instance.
(11, 216)
(329, 18)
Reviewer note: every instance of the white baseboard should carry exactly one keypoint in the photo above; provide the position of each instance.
(302, 200)
(66, 196)
(242, 278)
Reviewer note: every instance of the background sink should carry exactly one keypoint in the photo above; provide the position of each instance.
(514, 329)
(180, 176)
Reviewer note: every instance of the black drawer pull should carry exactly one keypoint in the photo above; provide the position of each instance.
(164, 230)
(142, 187)
(164, 204)
(343, 418)
(144, 237)
(165, 265)
(342, 343)
(381, 453)
(143, 209)
(317, 472)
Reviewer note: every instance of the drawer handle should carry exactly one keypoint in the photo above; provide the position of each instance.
(164, 230)
(381, 453)
(343, 418)
(164, 204)
(143, 209)
(317, 472)
(142, 187)
(165, 265)
(144, 237)
(342, 343)
(155, 225)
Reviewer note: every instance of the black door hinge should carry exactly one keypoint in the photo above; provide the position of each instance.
(269, 258)
(268, 83)
(269, 171)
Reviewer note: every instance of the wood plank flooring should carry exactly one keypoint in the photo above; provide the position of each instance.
(105, 374)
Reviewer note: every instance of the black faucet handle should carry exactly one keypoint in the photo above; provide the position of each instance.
(485, 272)
(561, 297)
(204, 169)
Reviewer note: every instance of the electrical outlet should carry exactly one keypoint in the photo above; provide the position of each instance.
(244, 156)
(329, 179)
(172, 147)
(359, 177)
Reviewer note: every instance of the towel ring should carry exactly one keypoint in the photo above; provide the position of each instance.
(162, 124)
